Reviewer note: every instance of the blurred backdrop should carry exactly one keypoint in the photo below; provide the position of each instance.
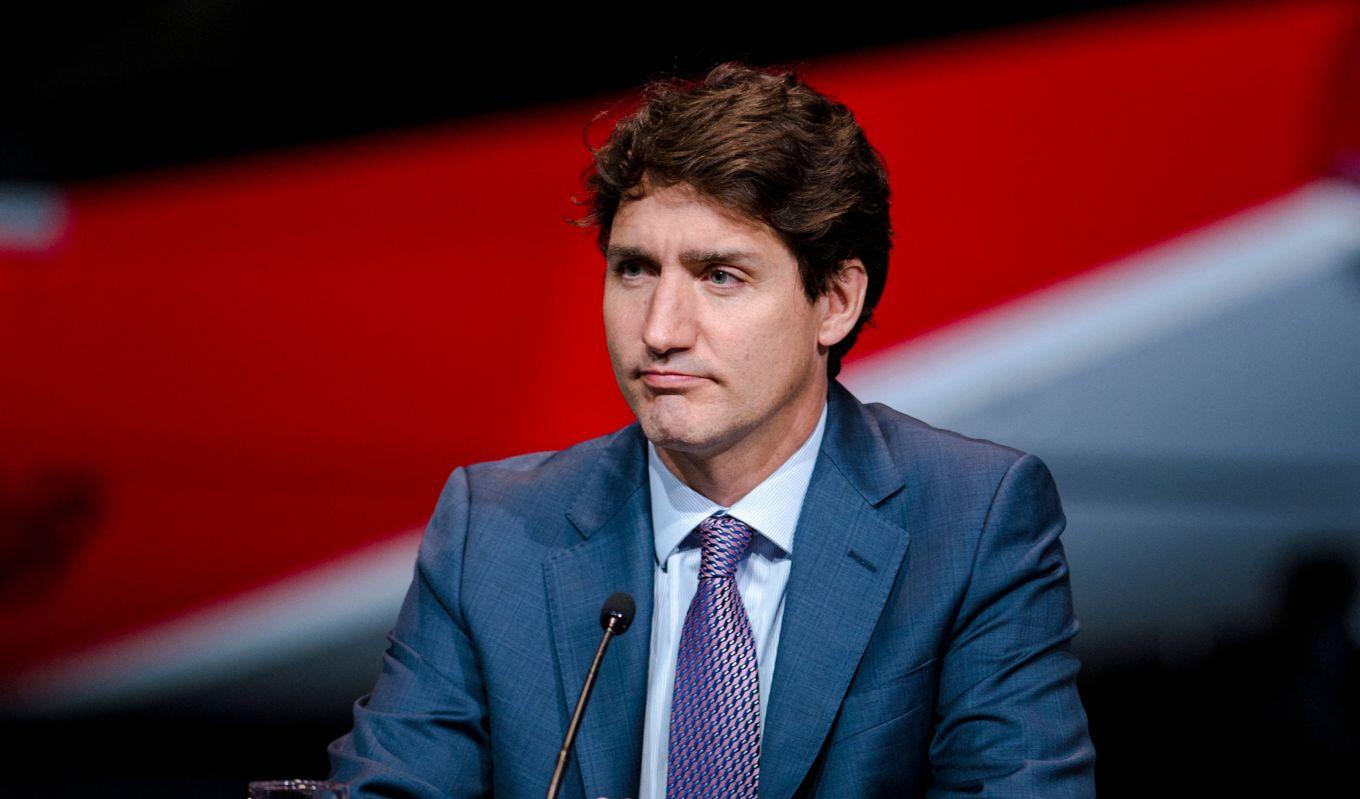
(267, 275)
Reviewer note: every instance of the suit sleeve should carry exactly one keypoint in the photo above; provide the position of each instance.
(1011, 722)
(422, 731)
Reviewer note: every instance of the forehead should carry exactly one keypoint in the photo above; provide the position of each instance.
(679, 216)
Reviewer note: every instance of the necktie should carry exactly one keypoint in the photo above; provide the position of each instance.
(715, 707)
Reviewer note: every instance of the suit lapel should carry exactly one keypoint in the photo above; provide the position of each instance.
(612, 513)
(846, 556)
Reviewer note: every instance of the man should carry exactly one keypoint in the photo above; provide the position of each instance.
(833, 599)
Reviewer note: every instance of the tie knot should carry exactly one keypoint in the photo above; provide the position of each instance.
(724, 540)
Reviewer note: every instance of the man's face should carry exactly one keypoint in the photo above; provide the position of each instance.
(709, 331)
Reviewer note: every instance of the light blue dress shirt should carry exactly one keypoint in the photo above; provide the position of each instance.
(772, 509)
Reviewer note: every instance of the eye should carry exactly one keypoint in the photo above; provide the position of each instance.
(624, 268)
(729, 279)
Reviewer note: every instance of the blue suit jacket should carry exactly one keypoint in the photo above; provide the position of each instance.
(925, 648)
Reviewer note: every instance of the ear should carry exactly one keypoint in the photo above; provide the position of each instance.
(843, 302)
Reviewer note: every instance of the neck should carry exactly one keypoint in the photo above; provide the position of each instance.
(728, 476)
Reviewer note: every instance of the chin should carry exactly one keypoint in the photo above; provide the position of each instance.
(693, 438)
(672, 432)
(665, 435)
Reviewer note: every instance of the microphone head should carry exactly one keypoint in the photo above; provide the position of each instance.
(619, 609)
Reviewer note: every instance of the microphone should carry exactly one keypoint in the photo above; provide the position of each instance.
(615, 617)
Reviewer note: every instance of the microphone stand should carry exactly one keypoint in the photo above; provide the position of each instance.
(615, 621)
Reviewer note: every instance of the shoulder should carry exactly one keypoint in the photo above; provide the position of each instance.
(519, 499)
(915, 443)
(949, 467)
(971, 497)
(538, 476)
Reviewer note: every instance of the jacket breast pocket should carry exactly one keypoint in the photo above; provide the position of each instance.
(866, 708)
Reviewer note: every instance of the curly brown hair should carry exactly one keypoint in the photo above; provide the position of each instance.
(766, 145)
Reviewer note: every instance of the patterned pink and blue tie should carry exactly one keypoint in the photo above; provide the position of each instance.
(715, 708)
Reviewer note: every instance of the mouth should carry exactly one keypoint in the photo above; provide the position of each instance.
(663, 379)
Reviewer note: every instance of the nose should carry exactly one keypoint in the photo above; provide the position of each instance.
(670, 314)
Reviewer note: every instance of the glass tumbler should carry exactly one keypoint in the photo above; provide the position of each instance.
(297, 789)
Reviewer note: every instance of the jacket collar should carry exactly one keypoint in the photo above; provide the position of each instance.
(852, 441)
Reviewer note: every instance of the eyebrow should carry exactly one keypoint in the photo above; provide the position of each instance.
(620, 251)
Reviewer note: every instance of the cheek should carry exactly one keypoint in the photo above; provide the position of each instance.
(613, 337)
(617, 317)
(774, 344)
(781, 333)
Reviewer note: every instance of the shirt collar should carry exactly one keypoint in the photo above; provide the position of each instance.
(771, 508)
